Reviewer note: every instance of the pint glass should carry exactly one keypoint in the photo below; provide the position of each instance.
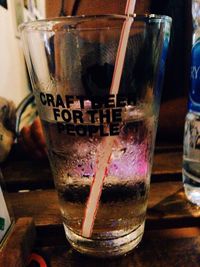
(92, 133)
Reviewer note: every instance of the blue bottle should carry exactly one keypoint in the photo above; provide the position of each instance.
(191, 146)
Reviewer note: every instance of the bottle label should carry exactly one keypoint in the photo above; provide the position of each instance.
(5, 221)
(194, 96)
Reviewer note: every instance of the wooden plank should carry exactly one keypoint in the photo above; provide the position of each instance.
(167, 207)
(173, 233)
(167, 163)
(43, 205)
(27, 174)
(157, 251)
(19, 244)
(97, 7)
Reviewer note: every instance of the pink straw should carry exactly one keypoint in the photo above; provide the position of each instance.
(104, 158)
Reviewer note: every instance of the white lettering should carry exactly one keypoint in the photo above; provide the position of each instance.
(195, 72)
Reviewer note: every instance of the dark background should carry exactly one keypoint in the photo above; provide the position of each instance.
(176, 82)
(3, 3)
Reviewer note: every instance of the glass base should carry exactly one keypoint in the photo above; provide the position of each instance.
(192, 187)
(192, 194)
(105, 247)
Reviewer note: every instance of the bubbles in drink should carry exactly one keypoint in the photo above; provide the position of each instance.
(123, 200)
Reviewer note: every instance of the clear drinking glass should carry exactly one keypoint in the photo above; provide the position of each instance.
(89, 130)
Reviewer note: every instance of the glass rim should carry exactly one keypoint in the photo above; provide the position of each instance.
(46, 25)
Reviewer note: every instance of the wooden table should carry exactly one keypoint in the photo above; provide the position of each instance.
(172, 233)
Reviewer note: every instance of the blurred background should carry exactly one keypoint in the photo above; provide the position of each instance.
(15, 84)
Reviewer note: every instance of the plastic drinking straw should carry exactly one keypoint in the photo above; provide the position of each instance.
(104, 158)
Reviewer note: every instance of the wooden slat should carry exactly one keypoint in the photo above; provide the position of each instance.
(27, 174)
(157, 251)
(19, 244)
(167, 163)
(173, 233)
(97, 7)
(167, 207)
